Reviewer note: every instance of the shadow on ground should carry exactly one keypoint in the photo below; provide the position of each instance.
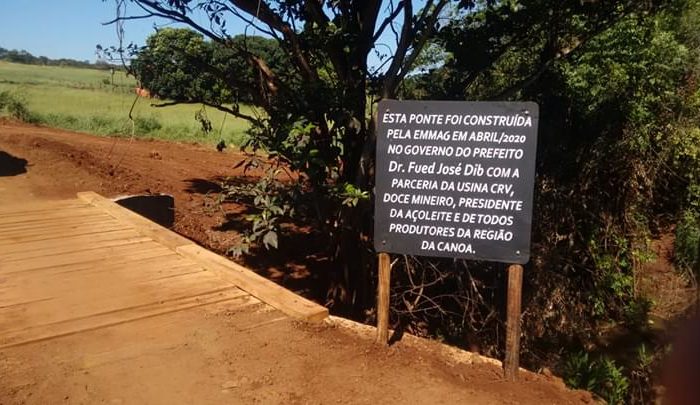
(11, 165)
(301, 263)
(214, 185)
(204, 186)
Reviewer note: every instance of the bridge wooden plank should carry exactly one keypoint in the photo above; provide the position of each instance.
(116, 298)
(258, 286)
(38, 333)
(14, 208)
(89, 256)
(60, 232)
(88, 249)
(91, 219)
(107, 264)
(61, 242)
(33, 286)
(77, 212)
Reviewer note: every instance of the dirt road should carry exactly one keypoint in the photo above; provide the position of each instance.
(61, 163)
(206, 355)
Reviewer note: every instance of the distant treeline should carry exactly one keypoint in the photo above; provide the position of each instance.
(27, 58)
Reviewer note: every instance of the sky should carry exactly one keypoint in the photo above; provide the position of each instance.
(73, 28)
(64, 28)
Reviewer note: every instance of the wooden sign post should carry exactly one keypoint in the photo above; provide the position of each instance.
(511, 364)
(383, 289)
(456, 180)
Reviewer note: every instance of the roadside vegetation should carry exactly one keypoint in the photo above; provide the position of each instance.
(98, 101)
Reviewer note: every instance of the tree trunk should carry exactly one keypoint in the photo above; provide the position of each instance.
(354, 254)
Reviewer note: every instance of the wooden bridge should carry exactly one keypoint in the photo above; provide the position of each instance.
(87, 265)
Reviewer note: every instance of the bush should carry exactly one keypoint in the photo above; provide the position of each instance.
(99, 124)
(15, 107)
(95, 124)
(687, 245)
(600, 376)
(146, 125)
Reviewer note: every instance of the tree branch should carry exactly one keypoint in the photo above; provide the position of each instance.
(389, 85)
(261, 10)
(233, 111)
(402, 64)
(314, 12)
(128, 18)
(429, 22)
(387, 21)
(550, 55)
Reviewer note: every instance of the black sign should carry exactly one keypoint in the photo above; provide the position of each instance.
(455, 179)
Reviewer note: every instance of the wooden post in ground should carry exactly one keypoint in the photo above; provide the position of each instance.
(383, 298)
(515, 288)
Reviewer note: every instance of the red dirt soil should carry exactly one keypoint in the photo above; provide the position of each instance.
(334, 364)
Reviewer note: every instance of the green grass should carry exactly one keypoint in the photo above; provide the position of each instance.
(15, 73)
(85, 100)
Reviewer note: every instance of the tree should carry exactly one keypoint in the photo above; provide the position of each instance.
(165, 66)
(180, 65)
(316, 116)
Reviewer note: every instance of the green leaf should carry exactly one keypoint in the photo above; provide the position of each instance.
(270, 239)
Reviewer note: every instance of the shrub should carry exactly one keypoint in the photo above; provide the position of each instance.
(15, 107)
(601, 376)
(146, 125)
(687, 245)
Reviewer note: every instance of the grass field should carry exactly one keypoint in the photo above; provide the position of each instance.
(89, 100)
